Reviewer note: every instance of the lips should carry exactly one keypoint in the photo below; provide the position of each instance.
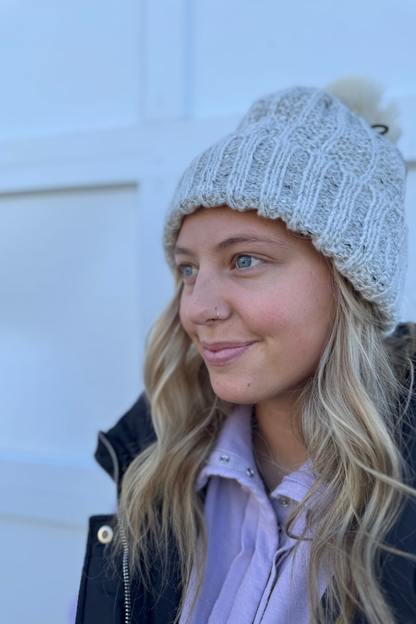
(222, 353)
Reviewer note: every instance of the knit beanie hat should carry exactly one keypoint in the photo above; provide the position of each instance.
(322, 161)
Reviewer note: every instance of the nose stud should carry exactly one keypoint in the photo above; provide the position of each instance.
(218, 314)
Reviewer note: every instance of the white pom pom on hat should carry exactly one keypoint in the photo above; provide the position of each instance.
(363, 96)
(311, 157)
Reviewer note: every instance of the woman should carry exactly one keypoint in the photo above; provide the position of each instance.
(267, 475)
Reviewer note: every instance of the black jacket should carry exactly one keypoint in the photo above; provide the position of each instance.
(104, 592)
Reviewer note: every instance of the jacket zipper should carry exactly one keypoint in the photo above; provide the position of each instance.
(126, 572)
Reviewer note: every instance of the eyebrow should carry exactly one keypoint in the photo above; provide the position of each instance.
(235, 240)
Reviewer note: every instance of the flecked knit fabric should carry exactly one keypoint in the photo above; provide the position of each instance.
(302, 156)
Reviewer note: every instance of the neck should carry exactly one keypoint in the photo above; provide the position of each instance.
(276, 440)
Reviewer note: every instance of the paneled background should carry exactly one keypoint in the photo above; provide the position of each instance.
(103, 103)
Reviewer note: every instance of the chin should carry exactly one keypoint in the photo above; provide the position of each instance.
(240, 392)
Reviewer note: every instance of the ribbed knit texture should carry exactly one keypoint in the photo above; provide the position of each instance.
(302, 156)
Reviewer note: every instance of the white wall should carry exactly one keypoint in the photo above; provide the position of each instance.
(103, 104)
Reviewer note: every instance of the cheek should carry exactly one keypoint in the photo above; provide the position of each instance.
(186, 324)
(297, 316)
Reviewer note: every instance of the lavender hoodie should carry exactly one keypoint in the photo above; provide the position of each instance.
(251, 574)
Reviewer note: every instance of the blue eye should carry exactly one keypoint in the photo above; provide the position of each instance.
(245, 262)
(187, 270)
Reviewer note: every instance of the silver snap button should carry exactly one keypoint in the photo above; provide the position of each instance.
(105, 534)
(224, 459)
(284, 501)
(250, 472)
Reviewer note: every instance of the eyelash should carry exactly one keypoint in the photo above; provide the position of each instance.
(234, 263)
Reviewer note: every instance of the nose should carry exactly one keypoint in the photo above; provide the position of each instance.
(206, 305)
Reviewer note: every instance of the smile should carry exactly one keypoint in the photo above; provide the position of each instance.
(222, 353)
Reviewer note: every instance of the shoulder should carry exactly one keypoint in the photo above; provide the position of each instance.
(401, 346)
(398, 573)
(132, 433)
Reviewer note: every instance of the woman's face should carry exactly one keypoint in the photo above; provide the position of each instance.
(274, 295)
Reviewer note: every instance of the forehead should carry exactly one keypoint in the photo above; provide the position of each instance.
(214, 223)
(216, 230)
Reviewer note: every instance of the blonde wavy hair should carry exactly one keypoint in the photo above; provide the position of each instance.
(351, 423)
